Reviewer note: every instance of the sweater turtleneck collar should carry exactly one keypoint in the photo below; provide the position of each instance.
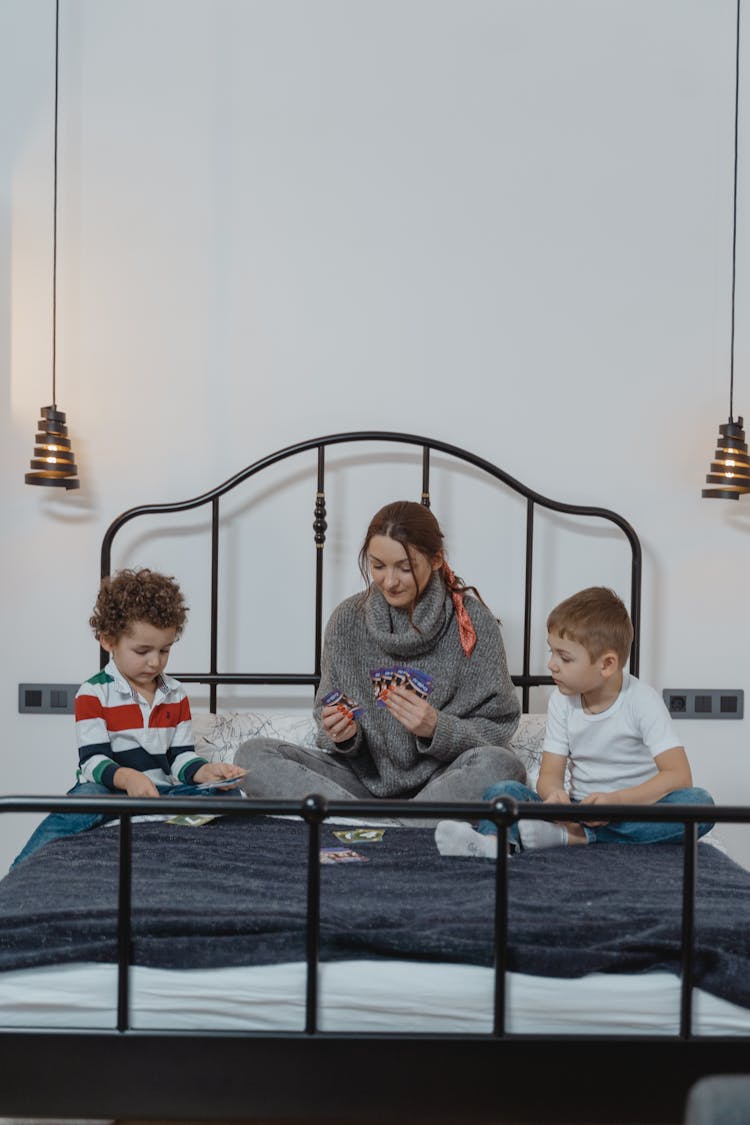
(391, 628)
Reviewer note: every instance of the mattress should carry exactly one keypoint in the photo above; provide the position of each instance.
(359, 996)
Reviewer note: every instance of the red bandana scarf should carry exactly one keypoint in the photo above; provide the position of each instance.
(466, 632)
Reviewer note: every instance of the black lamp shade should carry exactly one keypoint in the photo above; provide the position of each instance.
(53, 464)
(730, 469)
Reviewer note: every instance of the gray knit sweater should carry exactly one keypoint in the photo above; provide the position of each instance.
(474, 697)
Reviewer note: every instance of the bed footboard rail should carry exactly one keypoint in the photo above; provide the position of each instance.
(314, 810)
(316, 1076)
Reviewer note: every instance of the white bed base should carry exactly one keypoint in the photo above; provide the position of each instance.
(358, 996)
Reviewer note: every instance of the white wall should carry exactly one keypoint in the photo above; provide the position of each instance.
(502, 224)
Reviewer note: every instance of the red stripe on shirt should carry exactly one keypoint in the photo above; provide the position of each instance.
(88, 707)
(128, 716)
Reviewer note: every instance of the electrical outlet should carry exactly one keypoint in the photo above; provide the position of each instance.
(704, 703)
(46, 699)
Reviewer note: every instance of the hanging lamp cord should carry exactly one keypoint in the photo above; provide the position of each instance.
(54, 214)
(734, 214)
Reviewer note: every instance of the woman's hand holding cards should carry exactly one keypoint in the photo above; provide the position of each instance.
(412, 711)
(338, 714)
(337, 723)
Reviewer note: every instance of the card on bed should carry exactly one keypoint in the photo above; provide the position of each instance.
(363, 835)
(341, 855)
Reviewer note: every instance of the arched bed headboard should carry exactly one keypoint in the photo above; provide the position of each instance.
(523, 678)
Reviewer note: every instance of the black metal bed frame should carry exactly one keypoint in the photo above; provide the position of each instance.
(316, 1076)
(525, 680)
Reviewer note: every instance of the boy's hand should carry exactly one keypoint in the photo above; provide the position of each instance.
(135, 783)
(599, 799)
(337, 724)
(416, 714)
(557, 797)
(217, 771)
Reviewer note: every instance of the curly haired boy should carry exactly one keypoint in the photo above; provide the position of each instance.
(133, 723)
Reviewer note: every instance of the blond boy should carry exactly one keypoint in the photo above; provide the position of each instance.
(609, 740)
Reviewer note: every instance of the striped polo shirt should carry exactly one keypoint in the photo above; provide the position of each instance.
(116, 727)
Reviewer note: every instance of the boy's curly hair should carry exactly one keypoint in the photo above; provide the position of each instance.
(137, 595)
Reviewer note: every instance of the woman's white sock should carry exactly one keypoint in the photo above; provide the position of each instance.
(455, 837)
(542, 834)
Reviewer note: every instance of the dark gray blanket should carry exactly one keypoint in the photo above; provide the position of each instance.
(233, 892)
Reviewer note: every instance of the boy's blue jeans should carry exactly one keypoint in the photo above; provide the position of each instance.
(624, 832)
(57, 825)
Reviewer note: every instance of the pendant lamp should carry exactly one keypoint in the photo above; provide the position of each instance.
(53, 463)
(729, 476)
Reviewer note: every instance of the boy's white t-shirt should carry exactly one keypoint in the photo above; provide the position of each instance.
(616, 748)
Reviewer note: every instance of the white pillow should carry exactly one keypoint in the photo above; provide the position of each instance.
(217, 737)
(527, 743)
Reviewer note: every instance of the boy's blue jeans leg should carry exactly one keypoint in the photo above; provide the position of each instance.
(56, 825)
(519, 792)
(650, 832)
(625, 832)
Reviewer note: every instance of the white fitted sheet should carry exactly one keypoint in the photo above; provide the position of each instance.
(368, 996)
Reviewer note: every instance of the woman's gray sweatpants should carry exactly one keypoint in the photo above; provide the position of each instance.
(281, 770)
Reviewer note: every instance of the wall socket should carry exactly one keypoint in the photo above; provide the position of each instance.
(46, 699)
(704, 703)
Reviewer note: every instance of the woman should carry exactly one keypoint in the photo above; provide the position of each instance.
(446, 706)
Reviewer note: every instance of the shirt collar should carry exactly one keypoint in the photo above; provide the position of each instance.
(164, 684)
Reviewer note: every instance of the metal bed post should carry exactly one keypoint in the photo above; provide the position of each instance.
(635, 604)
(426, 476)
(214, 601)
(690, 850)
(124, 922)
(314, 811)
(525, 691)
(319, 527)
(505, 810)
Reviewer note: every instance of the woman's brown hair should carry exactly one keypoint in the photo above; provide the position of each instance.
(415, 528)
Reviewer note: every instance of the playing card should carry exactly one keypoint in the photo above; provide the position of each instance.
(362, 835)
(341, 855)
(347, 706)
(222, 782)
(418, 681)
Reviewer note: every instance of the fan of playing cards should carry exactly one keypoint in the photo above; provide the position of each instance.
(383, 681)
